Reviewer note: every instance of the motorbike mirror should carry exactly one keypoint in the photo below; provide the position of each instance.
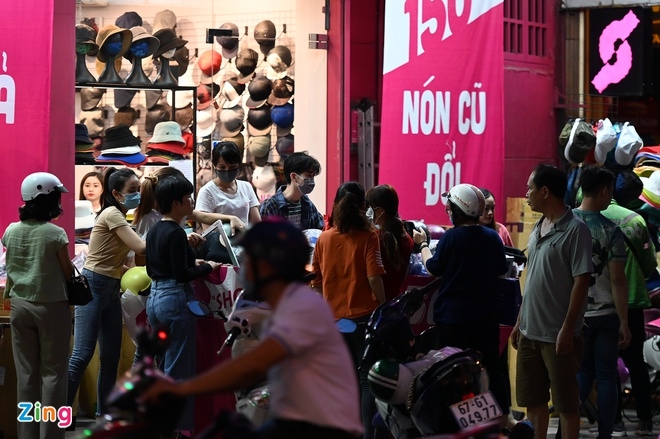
(200, 309)
(346, 326)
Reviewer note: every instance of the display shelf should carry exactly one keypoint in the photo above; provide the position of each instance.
(130, 87)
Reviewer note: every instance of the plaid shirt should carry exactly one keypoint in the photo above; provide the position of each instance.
(277, 205)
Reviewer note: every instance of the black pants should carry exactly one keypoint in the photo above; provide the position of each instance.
(281, 429)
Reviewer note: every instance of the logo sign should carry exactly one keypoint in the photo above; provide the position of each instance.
(442, 114)
(616, 51)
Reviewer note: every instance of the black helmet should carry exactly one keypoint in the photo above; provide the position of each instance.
(281, 244)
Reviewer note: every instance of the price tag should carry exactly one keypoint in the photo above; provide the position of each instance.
(476, 410)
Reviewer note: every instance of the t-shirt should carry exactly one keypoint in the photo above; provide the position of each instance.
(343, 262)
(395, 275)
(107, 252)
(504, 234)
(147, 222)
(316, 382)
(33, 270)
(469, 259)
(169, 256)
(211, 199)
(553, 261)
(295, 213)
(607, 246)
(641, 263)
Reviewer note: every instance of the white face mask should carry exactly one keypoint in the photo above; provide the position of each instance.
(370, 214)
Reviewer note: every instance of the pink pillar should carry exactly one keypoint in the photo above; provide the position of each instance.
(37, 68)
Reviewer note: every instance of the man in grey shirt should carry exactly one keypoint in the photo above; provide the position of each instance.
(548, 332)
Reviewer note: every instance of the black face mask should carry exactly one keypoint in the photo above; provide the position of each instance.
(227, 176)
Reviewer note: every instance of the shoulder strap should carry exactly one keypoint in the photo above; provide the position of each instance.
(632, 249)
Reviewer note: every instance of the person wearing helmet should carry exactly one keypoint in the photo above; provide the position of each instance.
(38, 267)
(110, 242)
(469, 258)
(302, 353)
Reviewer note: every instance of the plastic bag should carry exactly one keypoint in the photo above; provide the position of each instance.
(628, 145)
(606, 140)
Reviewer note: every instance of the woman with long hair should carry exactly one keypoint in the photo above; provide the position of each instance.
(487, 219)
(349, 269)
(100, 320)
(38, 266)
(396, 245)
(91, 189)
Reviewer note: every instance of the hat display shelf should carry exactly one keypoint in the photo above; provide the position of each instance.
(82, 72)
(165, 76)
(110, 74)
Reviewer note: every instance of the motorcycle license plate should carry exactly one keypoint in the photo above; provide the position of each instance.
(476, 410)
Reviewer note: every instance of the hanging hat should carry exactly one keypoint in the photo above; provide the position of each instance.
(246, 63)
(168, 131)
(82, 135)
(119, 136)
(165, 19)
(264, 34)
(259, 146)
(283, 90)
(232, 92)
(284, 145)
(157, 113)
(209, 63)
(108, 31)
(128, 20)
(87, 35)
(84, 215)
(205, 121)
(182, 98)
(282, 115)
(168, 41)
(184, 117)
(90, 98)
(231, 121)
(259, 121)
(229, 44)
(239, 140)
(182, 58)
(93, 120)
(259, 90)
(204, 99)
(140, 34)
(126, 116)
(279, 60)
(123, 97)
(152, 97)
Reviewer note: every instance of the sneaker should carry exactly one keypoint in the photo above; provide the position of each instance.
(644, 428)
(619, 431)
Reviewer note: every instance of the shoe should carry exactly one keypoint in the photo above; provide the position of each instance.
(644, 428)
(619, 431)
(72, 427)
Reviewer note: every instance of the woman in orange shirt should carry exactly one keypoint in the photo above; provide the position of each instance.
(349, 268)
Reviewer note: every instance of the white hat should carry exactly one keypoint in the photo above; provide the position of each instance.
(84, 215)
(652, 183)
(168, 131)
(135, 149)
(205, 121)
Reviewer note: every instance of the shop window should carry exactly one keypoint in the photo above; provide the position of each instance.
(526, 30)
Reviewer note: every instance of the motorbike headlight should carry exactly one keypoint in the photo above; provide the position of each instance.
(260, 398)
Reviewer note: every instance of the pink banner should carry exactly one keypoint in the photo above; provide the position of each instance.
(37, 62)
(442, 115)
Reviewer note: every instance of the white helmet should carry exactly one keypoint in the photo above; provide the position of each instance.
(40, 183)
(468, 198)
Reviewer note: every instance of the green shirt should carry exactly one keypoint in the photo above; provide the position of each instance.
(33, 270)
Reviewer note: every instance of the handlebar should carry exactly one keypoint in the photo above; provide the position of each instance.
(231, 338)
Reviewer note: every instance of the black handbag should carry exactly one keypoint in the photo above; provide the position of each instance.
(78, 290)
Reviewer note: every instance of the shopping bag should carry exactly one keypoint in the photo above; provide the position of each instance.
(134, 312)
(219, 289)
(606, 139)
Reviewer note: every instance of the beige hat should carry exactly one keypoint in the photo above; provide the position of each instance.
(106, 32)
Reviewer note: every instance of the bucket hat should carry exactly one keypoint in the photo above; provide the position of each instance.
(229, 44)
(164, 19)
(282, 115)
(87, 35)
(246, 64)
(108, 31)
(278, 60)
(231, 121)
(168, 131)
(283, 90)
(157, 113)
(128, 20)
(140, 34)
(264, 34)
(232, 92)
(259, 121)
(259, 90)
(82, 135)
(168, 41)
(119, 136)
(84, 215)
(90, 98)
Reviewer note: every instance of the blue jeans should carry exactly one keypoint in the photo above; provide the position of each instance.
(167, 308)
(601, 335)
(99, 320)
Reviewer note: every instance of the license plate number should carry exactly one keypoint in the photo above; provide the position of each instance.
(475, 410)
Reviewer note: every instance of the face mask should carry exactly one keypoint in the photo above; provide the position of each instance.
(131, 201)
(227, 176)
(370, 214)
(307, 186)
(112, 48)
(140, 49)
(83, 48)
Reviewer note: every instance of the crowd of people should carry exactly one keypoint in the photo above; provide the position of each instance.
(582, 273)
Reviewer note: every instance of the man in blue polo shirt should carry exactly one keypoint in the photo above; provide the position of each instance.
(548, 334)
(292, 202)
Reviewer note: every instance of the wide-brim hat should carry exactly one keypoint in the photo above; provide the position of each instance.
(205, 121)
(123, 97)
(124, 159)
(126, 116)
(82, 135)
(106, 32)
(118, 136)
(282, 115)
(87, 35)
(168, 41)
(285, 145)
(121, 150)
(173, 147)
(84, 215)
(156, 114)
(168, 131)
(259, 91)
(90, 98)
(139, 34)
(283, 90)
(231, 121)
(229, 44)
(259, 121)
(246, 63)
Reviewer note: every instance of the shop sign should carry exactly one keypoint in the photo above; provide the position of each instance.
(442, 120)
(616, 51)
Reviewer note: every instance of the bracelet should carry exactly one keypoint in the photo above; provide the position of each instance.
(423, 245)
